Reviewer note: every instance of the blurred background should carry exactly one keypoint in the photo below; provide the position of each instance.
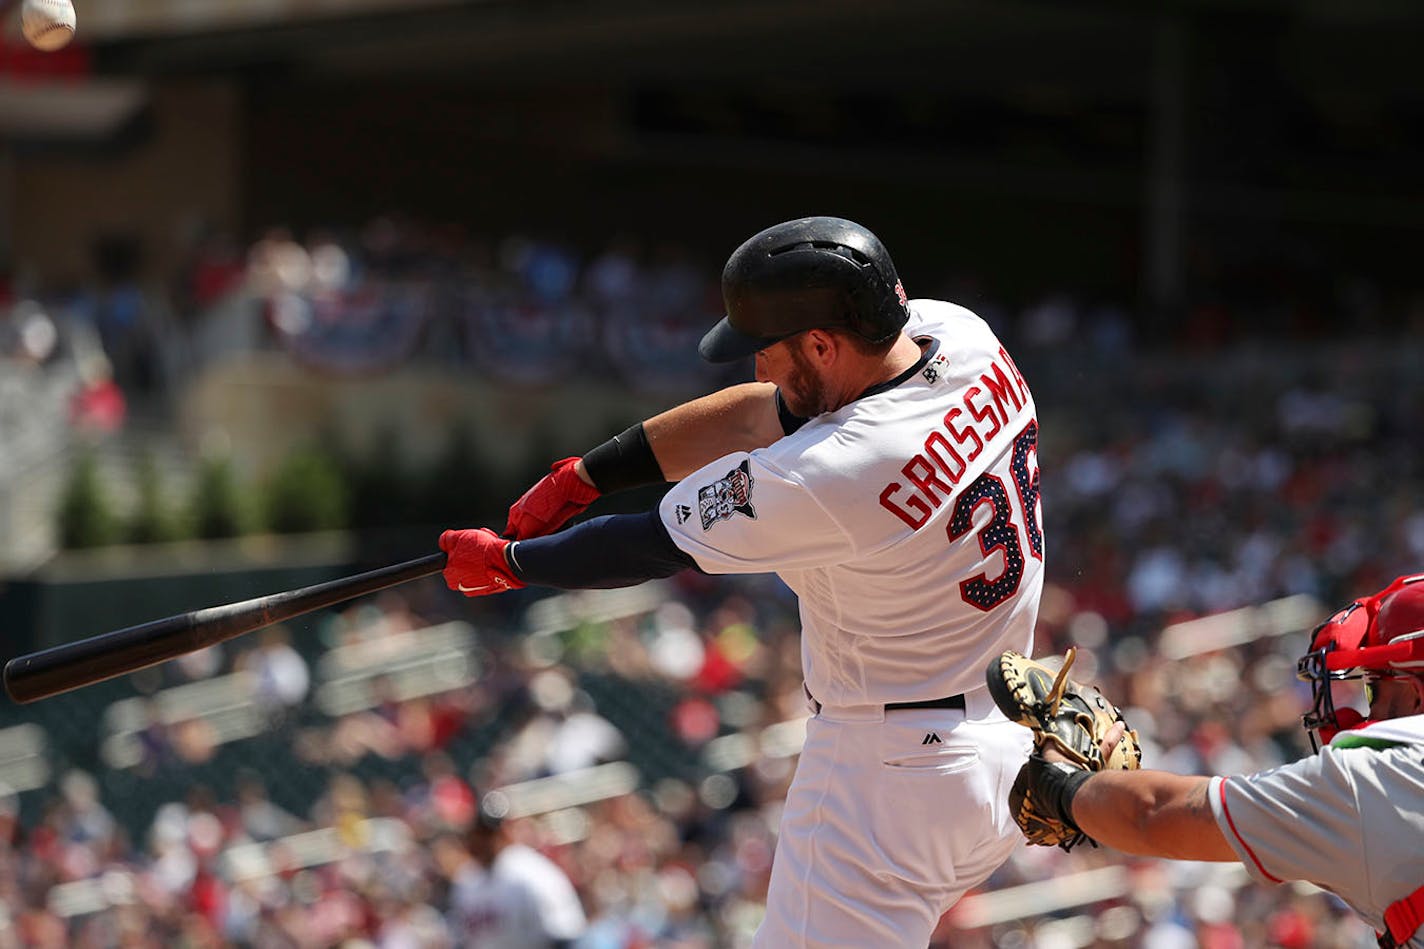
(288, 287)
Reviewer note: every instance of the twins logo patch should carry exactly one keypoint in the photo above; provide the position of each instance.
(731, 495)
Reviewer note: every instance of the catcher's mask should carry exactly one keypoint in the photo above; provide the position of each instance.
(1375, 637)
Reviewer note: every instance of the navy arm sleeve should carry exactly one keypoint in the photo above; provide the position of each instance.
(616, 550)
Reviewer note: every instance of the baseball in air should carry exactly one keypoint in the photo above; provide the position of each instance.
(48, 24)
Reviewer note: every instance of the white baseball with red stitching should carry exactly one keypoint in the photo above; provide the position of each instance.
(48, 24)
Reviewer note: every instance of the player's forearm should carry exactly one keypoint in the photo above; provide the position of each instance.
(672, 445)
(612, 551)
(739, 418)
(1151, 813)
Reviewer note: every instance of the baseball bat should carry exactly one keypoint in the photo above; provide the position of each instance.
(50, 672)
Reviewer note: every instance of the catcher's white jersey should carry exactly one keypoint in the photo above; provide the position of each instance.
(1350, 819)
(907, 522)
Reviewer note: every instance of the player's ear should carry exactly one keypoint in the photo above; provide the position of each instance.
(822, 346)
(1417, 681)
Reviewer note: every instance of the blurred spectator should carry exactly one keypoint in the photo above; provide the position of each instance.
(445, 802)
(564, 732)
(87, 820)
(545, 269)
(35, 338)
(280, 672)
(261, 819)
(97, 404)
(155, 744)
(495, 841)
(612, 279)
(201, 663)
(484, 910)
(121, 312)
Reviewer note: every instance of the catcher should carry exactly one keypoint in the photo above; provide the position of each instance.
(1349, 819)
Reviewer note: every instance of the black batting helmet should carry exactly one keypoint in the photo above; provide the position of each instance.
(814, 272)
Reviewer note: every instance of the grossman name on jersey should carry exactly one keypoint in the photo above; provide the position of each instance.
(933, 473)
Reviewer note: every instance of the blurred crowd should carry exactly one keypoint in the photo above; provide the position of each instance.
(682, 861)
(1178, 482)
(539, 310)
(522, 309)
(444, 844)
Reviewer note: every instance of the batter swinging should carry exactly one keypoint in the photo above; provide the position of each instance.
(884, 464)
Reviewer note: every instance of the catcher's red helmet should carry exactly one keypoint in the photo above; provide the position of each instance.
(1376, 636)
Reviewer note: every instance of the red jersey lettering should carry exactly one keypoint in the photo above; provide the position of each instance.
(946, 457)
(961, 435)
(913, 502)
(923, 475)
(1000, 388)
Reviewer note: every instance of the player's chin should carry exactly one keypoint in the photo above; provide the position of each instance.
(803, 405)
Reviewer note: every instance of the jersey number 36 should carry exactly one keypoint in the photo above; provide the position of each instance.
(1000, 533)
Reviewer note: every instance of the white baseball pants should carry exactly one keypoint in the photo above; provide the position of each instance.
(890, 818)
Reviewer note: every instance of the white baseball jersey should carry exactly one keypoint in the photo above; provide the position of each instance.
(1350, 819)
(560, 911)
(907, 522)
(493, 913)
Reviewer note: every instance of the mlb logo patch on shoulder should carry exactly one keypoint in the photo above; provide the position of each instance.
(936, 368)
(731, 495)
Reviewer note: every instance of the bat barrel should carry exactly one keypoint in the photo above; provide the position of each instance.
(73, 665)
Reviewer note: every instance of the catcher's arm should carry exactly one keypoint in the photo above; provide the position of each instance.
(1150, 813)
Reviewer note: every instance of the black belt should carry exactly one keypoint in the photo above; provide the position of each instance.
(949, 701)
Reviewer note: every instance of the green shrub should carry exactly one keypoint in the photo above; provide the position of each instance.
(459, 490)
(154, 519)
(219, 507)
(308, 493)
(383, 491)
(86, 512)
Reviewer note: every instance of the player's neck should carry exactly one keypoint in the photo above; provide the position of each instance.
(904, 354)
(873, 372)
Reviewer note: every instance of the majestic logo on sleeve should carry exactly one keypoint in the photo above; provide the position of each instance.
(731, 495)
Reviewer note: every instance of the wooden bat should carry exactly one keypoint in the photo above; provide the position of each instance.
(50, 672)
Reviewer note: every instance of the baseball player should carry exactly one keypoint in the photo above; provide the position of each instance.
(1349, 819)
(486, 910)
(884, 464)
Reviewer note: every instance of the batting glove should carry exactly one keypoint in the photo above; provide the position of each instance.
(555, 498)
(476, 563)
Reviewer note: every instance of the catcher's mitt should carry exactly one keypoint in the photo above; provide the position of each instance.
(1068, 717)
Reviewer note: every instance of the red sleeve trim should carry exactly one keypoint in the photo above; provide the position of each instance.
(1244, 845)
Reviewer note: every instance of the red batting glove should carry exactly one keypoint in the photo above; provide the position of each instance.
(476, 564)
(555, 498)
